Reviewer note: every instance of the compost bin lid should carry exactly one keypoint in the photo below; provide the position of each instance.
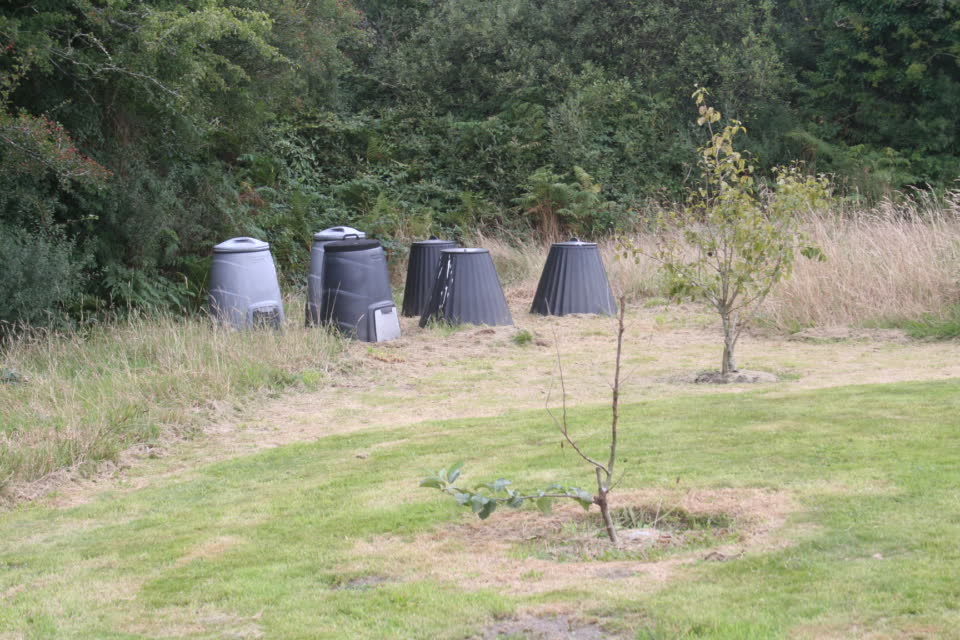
(241, 245)
(467, 250)
(338, 233)
(574, 242)
(351, 245)
(433, 240)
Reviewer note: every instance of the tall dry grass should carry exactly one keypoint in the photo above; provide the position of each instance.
(519, 264)
(88, 397)
(885, 266)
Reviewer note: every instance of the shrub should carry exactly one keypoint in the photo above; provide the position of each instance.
(40, 275)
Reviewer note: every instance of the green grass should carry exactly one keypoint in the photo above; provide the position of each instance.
(945, 326)
(522, 338)
(875, 470)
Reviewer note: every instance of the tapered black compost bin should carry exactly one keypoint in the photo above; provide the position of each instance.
(315, 277)
(467, 290)
(573, 281)
(356, 291)
(244, 291)
(422, 268)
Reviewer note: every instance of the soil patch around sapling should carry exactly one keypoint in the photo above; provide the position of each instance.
(646, 532)
(741, 376)
(523, 552)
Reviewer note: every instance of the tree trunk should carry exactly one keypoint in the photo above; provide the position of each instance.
(728, 365)
(601, 501)
(729, 342)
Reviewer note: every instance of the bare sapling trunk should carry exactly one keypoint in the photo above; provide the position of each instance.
(605, 474)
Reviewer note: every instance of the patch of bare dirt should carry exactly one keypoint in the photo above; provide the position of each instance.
(209, 549)
(839, 334)
(862, 631)
(542, 628)
(360, 583)
(170, 622)
(502, 552)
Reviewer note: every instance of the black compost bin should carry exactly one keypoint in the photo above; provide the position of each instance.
(573, 281)
(467, 290)
(422, 270)
(315, 277)
(356, 291)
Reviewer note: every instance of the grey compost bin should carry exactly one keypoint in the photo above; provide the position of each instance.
(244, 291)
(422, 269)
(356, 291)
(573, 281)
(315, 278)
(467, 290)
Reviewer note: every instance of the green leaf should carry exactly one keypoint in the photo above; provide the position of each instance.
(478, 502)
(583, 498)
(545, 505)
(500, 485)
(433, 482)
(813, 253)
(488, 508)
(515, 502)
(462, 497)
(454, 472)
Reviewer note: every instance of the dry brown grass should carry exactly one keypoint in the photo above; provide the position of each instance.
(893, 263)
(884, 266)
(520, 262)
(141, 381)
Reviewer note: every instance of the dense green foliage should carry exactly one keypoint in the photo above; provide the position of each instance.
(133, 135)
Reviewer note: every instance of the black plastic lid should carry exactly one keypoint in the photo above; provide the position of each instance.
(351, 245)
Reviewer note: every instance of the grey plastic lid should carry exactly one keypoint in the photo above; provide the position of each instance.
(574, 242)
(432, 240)
(241, 245)
(338, 233)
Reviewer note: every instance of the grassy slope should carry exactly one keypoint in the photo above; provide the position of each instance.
(261, 542)
(140, 380)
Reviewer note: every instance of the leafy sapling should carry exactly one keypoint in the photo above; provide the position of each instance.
(484, 498)
(734, 241)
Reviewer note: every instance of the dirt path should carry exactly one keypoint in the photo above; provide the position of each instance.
(439, 374)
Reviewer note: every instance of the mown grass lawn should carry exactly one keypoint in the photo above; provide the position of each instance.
(262, 546)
